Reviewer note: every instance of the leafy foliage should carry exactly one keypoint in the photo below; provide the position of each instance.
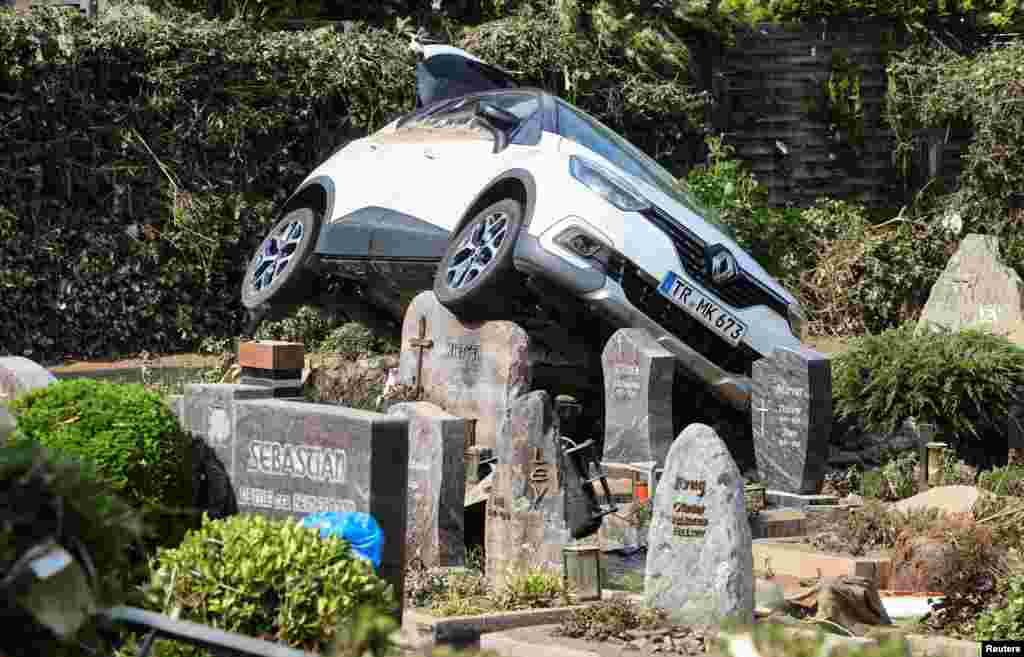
(988, 14)
(136, 235)
(770, 640)
(306, 325)
(48, 495)
(128, 433)
(267, 579)
(959, 381)
(1006, 621)
(1008, 480)
(354, 340)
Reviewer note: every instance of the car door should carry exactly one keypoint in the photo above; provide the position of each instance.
(459, 166)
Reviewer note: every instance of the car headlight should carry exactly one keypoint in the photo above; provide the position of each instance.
(796, 320)
(606, 184)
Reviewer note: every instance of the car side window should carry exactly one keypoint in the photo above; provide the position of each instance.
(461, 114)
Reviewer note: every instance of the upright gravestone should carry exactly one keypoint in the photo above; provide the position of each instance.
(791, 416)
(472, 370)
(525, 524)
(435, 528)
(18, 376)
(700, 562)
(638, 375)
(294, 458)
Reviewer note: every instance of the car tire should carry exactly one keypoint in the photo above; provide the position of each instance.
(280, 270)
(476, 274)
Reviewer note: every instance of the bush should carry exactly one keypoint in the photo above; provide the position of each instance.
(306, 325)
(353, 340)
(1008, 480)
(127, 432)
(264, 578)
(46, 495)
(959, 381)
(1005, 622)
(532, 588)
(216, 122)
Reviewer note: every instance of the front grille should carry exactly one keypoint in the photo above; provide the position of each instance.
(644, 294)
(743, 292)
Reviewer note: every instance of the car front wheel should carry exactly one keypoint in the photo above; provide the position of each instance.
(280, 270)
(476, 273)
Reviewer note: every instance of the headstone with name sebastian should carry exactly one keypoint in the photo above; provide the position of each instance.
(791, 416)
(525, 524)
(638, 374)
(700, 563)
(435, 527)
(472, 370)
(18, 375)
(294, 458)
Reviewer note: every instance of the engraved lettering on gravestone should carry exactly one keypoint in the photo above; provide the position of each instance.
(468, 353)
(792, 391)
(539, 475)
(688, 519)
(297, 461)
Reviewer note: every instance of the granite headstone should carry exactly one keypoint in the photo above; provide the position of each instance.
(472, 370)
(525, 524)
(791, 418)
(18, 375)
(435, 526)
(295, 458)
(638, 374)
(700, 563)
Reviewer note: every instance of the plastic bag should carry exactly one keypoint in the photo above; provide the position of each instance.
(360, 530)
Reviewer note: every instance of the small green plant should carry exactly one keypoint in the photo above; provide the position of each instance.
(959, 381)
(1005, 621)
(1008, 480)
(127, 432)
(265, 578)
(532, 588)
(898, 473)
(217, 345)
(873, 485)
(353, 340)
(305, 325)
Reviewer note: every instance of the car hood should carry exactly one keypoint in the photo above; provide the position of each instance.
(711, 235)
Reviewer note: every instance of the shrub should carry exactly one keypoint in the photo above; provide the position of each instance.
(47, 495)
(1005, 622)
(959, 381)
(148, 250)
(1008, 480)
(353, 340)
(127, 432)
(306, 325)
(265, 578)
(532, 588)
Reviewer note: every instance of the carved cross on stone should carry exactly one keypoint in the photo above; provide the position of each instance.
(420, 342)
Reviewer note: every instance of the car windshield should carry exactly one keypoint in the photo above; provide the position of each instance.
(627, 156)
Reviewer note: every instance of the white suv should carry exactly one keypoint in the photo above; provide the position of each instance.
(487, 184)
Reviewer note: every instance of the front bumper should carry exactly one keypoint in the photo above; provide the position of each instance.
(605, 296)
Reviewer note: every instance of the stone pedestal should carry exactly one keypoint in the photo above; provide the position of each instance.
(435, 527)
(638, 375)
(791, 418)
(525, 514)
(274, 365)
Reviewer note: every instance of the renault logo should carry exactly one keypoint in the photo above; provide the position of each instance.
(721, 265)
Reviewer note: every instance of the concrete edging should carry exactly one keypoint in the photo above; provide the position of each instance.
(488, 623)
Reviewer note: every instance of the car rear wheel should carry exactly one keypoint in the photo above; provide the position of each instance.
(280, 270)
(476, 272)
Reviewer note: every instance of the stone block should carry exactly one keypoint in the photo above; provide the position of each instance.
(435, 527)
(272, 355)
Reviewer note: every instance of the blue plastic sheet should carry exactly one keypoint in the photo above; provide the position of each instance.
(360, 530)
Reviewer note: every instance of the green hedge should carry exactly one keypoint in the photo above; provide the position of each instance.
(127, 433)
(143, 157)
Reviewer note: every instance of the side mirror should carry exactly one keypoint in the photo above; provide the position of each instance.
(501, 122)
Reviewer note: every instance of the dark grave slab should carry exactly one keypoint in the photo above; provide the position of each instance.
(473, 370)
(295, 458)
(791, 418)
(700, 563)
(208, 412)
(435, 527)
(525, 525)
(638, 377)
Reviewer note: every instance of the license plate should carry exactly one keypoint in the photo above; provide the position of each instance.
(693, 300)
